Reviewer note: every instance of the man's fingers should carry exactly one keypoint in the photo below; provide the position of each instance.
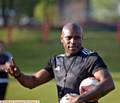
(13, 62)
(10, 67)
(7, 70)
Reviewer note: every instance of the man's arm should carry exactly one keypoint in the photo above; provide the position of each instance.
(106, 85)
(29, 81)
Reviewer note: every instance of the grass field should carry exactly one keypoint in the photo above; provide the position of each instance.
(31, 54)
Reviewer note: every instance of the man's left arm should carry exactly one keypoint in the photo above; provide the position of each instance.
(106, 85)
(106, 82)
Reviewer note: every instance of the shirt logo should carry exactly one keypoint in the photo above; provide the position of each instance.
(57, 68)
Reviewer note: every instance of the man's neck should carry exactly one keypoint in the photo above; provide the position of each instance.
(74, 54)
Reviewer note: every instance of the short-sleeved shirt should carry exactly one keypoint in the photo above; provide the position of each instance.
(6, 57)
(70, 71)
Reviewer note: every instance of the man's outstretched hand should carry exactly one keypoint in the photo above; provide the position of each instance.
(12, 69)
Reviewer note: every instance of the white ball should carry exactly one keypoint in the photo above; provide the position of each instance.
(64, 99)
(88, 82)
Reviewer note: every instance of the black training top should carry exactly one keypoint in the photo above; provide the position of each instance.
(70, 71)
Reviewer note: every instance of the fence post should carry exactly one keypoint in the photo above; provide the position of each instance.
(46, 30)
(9, 33)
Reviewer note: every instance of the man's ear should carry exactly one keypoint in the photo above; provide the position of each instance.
(82, 36)
(61, 41)
(61, 38)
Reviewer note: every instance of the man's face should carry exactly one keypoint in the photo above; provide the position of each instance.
(72, 41)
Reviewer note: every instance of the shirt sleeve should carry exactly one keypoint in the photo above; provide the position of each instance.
(9, 55)
(98, 63)
(49, 66)
(3, 59)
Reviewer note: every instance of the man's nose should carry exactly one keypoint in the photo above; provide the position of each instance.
(72, 40)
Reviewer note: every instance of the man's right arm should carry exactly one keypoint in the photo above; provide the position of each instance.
(29, 81)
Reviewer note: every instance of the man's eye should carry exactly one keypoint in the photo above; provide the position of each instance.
(68, 38)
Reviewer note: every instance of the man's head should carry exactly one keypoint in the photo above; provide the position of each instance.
(2, 47)
(71, 38)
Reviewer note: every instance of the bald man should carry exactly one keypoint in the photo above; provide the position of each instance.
(70, 68)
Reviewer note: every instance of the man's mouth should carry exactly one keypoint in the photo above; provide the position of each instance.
(72, 47)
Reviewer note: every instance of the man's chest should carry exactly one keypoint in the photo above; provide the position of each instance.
(72, 71)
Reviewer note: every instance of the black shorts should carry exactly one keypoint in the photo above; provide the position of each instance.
(3, 88)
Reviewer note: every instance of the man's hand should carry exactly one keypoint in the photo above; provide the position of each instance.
(71, 98)
(12, 69)
(2, 68)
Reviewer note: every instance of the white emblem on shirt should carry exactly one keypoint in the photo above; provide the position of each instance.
(57, 68)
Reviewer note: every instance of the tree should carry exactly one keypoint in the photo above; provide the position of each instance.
(103, 9)
(26, 6)
(45, 10)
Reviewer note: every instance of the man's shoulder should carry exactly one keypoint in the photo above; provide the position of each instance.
(59, 56)
(9, 56)
(88, 52)
(3, 58)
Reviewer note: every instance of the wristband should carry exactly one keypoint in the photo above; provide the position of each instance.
(18, 76)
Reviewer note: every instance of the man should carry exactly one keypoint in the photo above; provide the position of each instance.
(70, 69)
(4, 57)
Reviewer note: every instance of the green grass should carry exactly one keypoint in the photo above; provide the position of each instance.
(31, 54)
(45, 93)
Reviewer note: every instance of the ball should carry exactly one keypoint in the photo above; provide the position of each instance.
(85, 86)
(64, 99)
(88, 84)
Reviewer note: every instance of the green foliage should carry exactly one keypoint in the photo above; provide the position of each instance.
(38, 12)
(103, 9)
(26, 6)
(46, 9)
